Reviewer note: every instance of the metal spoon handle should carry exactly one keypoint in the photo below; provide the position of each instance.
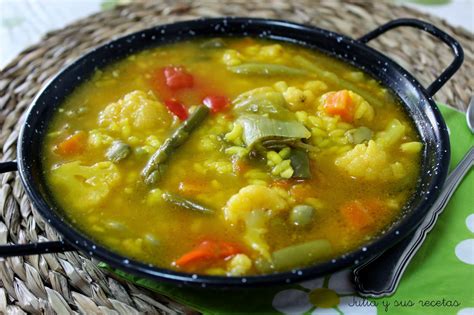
(381, 275)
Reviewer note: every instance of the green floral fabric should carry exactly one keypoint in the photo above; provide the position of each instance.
(439, 280)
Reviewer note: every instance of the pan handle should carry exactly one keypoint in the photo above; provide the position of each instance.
(436, 32)
(33, 248)
(9, 166)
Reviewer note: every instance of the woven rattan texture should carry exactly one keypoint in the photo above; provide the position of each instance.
(70, 282)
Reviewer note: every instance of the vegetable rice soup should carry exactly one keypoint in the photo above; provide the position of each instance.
(231, 156)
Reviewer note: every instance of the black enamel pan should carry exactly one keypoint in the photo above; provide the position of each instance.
(416, 99)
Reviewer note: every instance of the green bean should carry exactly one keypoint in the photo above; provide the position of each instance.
(301, 215)
(156, 166)
(185, 203)
(118, 151)
(266, 69)
(334, 79)
(301, 254)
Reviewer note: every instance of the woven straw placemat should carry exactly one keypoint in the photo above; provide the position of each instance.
(70, 282)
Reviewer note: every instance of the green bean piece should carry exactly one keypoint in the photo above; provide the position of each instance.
(334, 79)
(300, 255)
(359, 135)
(155, 166)
(185, 203)
(300, 163)
(301, 215)
(118, 151)
(266, 69)
(213, 43)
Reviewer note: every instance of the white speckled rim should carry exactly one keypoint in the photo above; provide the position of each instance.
(415, 99)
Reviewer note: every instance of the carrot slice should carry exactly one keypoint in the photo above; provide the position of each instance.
(340, 103)
(302, 191)
(208, 251)
(240, 166)
(192, 187)
(357, 215)
(72, 145)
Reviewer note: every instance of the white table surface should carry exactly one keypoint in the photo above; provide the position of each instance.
(24, 22)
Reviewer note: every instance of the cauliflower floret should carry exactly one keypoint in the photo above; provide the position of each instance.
(271, 51)
(85, 186)
(136, 111)
(232, 57)
(254, 205)
(316, 86)
(298, 99)
(347, 104)
(392, 134)
(366, 161)
(363, 108)
(253, 197)
(98, 139)
(413, 147)
(239, 265)
(280, 86)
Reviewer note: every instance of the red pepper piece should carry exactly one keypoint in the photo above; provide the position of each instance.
(178, 78)
(208, 251)
(216, 103)
(177, 108)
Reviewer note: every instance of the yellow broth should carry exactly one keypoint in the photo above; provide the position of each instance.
(359, 182)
